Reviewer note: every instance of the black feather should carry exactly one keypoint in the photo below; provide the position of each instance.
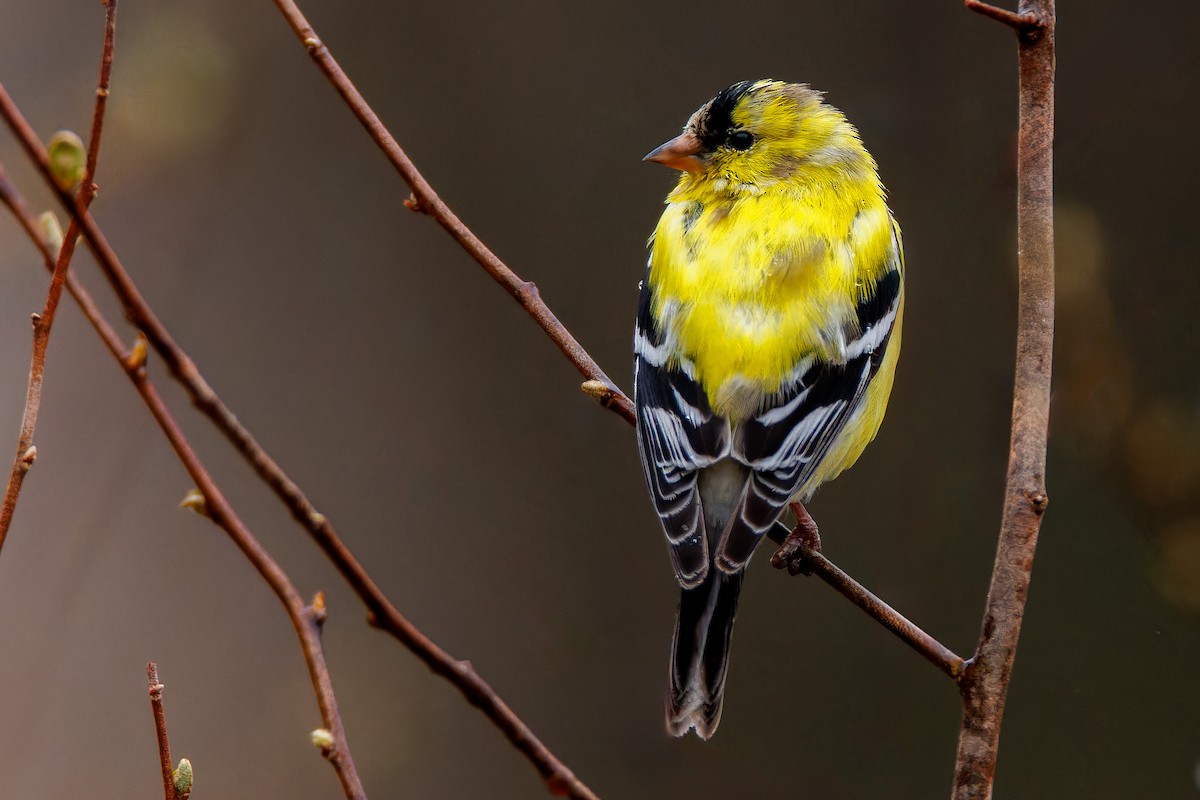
(716, 120)
(678, 434)
(700, 654)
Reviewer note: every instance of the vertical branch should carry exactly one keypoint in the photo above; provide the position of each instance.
(107, 54)
(42, 323)
(160, 729)
(985, 683)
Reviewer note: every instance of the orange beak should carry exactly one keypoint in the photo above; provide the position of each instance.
(680, 153)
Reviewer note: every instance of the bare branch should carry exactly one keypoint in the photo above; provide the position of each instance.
(160, 730)
(800, 552)
(426, 201)
(985, 683)
(42, 323)
(934, 651)
(106, 63)
(1020, 22)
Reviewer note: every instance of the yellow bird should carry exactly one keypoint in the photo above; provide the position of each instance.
(767, 335)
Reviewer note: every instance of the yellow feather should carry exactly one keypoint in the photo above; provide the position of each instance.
(862, 427)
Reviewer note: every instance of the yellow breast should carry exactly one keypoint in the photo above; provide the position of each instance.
(747, 286)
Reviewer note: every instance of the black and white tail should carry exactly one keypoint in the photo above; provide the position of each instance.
(700, 654)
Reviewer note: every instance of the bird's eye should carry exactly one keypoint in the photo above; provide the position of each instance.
(741, 140)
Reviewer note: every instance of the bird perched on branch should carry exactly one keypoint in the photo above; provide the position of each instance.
(767, 335)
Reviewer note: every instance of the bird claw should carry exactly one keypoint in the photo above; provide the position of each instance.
(797, 550)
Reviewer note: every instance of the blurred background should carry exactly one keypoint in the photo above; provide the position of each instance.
(447, 439)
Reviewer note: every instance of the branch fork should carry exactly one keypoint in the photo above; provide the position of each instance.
(1022, 22)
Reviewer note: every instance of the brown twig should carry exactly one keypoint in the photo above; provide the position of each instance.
(800, 552)
(304, 619)
(1021, 22)
(934, 651)
(160, 729)
(985, 682)
(42, 323)
(106, 62)
(426, 201)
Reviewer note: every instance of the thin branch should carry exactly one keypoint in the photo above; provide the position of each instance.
(160, 730)
(802, 554)
(934, 651)
(1020, 22)
(42, 323)
(106, 63)
(985, 683)
(426, 201)
(302, 617)
(558, 777)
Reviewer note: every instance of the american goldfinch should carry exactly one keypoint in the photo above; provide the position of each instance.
(767, 335)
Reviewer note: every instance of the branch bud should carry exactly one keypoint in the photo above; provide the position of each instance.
(182, 776)
(195, 501)
(137, 356)
(322, 739)
(68, 159)
(596, 389)
(52, 230)
(320, 612)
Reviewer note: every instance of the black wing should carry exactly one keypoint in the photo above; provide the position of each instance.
(786, 442)
(678, 434)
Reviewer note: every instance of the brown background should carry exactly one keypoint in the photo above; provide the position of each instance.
(447, 439)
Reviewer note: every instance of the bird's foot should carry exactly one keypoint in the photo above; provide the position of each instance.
(800, 544)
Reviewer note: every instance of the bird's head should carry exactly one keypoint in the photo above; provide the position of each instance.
(759, 134)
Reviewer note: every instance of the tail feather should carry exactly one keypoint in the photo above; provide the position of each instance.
(700, 654)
